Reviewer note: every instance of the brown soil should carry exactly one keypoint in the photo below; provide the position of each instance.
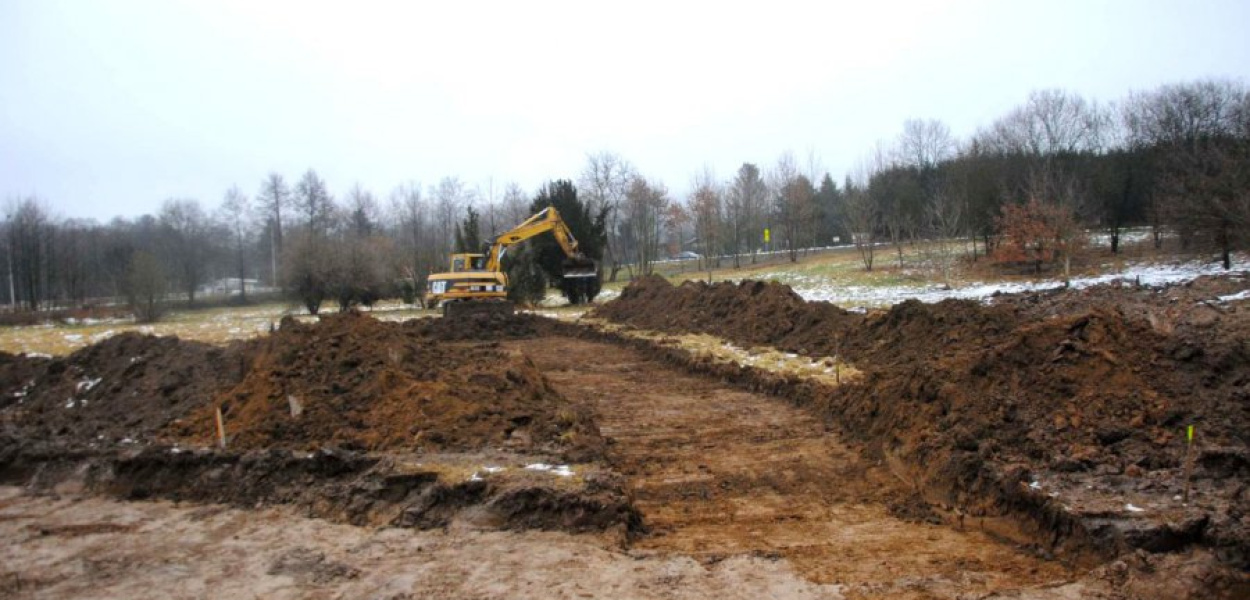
(978, 402)
(124, 388)
(359, 383)
(717, 471)
(479, 326)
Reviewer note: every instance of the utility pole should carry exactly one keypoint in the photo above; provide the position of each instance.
(8, 231)
(273, 252)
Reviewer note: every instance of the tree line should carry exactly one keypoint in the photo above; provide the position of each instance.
(1023, 189)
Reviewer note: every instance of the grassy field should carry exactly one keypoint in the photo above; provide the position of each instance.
(216, 326)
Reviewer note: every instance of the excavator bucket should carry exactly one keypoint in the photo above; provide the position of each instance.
(581, 279)
(577, 268)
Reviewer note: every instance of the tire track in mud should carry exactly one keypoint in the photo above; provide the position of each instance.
(718, 471)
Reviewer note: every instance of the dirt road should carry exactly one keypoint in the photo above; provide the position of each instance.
(720, 472)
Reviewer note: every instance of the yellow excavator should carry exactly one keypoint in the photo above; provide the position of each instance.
(476, 283)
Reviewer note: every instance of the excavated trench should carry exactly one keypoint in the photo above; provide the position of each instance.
(717, 470)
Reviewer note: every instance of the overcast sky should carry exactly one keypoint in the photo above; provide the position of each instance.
(107, 108)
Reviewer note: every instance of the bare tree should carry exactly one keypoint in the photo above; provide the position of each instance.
(862, 216)
(273, 197)
(75, 250)
(645, 205)
(233, 216)
(449, 198)
(188, 242)
(411, 218)
(604, 183)
(924, 143)
(676, 219)
(30, 230)
(708, 207)
(944, 212)
(1050, 123)
(514, 206)
(314, 203)
(793, 204)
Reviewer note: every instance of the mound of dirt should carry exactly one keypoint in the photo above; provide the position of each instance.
(478, 326)
(123, 388)
(353, 382)
(750, 313)
(1065, 393)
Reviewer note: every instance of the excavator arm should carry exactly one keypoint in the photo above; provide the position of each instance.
(547, 220)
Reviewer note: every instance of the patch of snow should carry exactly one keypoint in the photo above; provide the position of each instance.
(561, 470)
(1127, 236)
(36, 355)
(73, 337)
(103, 335)
(477, 475)
(70, 403)
(1242, 295)
(1036, 485)
(1135, 509)
(1154, 275)
(88, 383)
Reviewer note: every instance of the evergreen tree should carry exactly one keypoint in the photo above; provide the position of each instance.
(588, 229)
(469, 232)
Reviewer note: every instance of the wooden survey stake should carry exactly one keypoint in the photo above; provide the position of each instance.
(1189, 459)
(221, 429)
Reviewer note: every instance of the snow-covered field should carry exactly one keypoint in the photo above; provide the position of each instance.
(811, 288)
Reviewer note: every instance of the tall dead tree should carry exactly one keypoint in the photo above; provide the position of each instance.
(273, 197)
(233, 215)
(707, 206)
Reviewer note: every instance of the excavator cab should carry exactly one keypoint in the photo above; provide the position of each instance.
(468, 262)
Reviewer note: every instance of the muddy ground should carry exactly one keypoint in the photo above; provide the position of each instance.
(1030, 448)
